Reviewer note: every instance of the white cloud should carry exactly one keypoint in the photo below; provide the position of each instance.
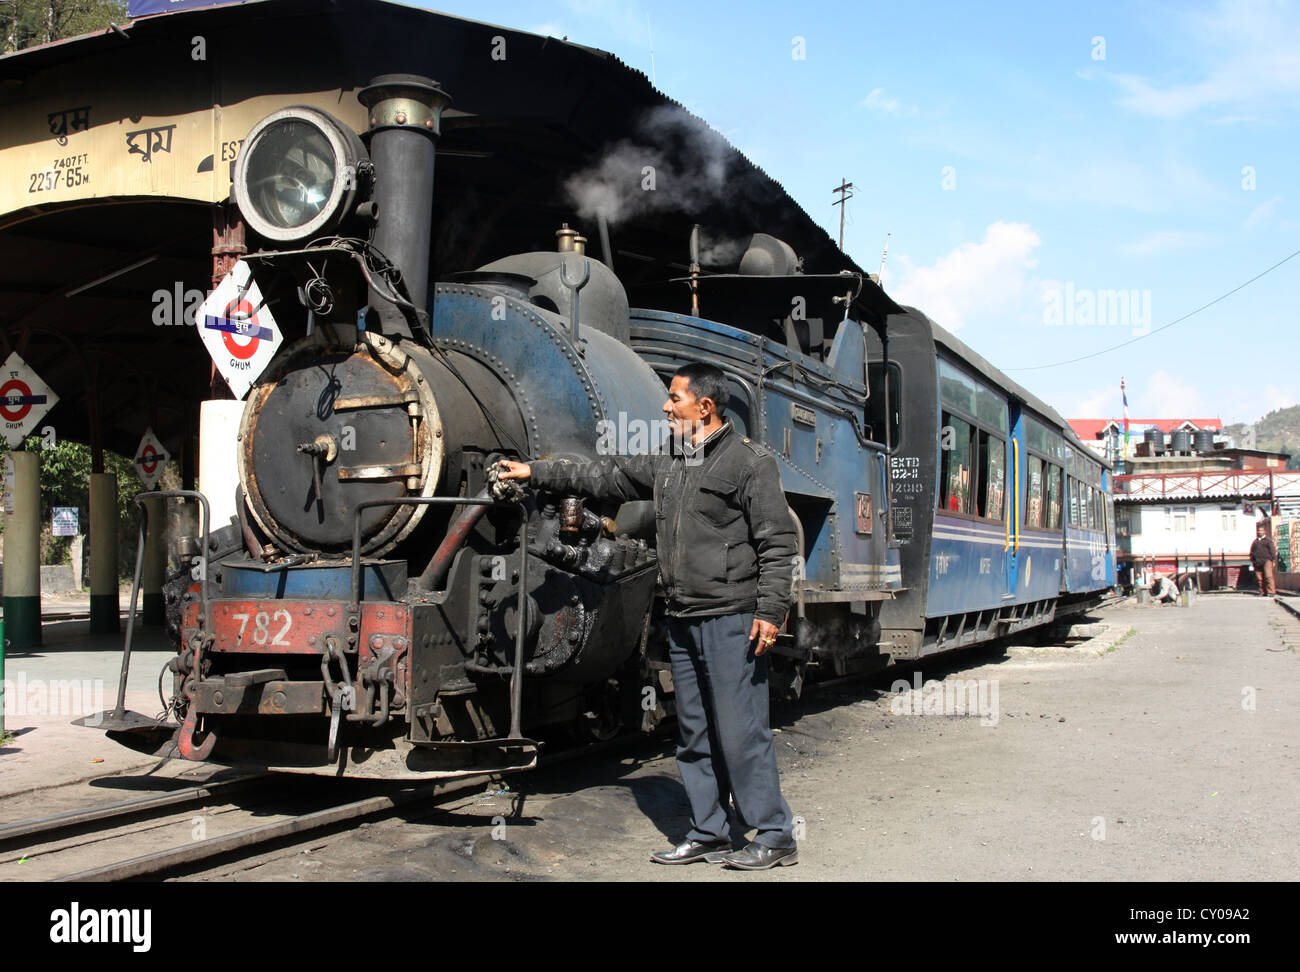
(884, 104)
(990, 275)
(1250, 54)
(1103, 403)
(1262, 213)
(1250, 403)
(1162, 241)
(1165, 395)
(1162, 395)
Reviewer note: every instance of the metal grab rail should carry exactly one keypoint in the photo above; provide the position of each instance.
(1015, 495)
(516, 676)
(119, 719)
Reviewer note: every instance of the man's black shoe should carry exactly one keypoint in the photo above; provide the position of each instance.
(690, 852)
(756, 857)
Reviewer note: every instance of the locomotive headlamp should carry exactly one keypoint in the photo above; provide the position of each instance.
(296, 176)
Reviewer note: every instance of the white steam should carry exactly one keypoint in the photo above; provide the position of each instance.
(673, 162)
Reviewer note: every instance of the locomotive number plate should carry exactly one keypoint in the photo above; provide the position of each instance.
(278, 627)
(863, 512)
(268, 628)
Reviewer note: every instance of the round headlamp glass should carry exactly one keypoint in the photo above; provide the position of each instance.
(293, 176)
(291, 173)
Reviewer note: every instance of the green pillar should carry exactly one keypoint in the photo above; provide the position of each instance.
(22, 579)
(104, 607)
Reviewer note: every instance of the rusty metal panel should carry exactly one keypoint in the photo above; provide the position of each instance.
(386, 631)
(278, 627)
(213, 696)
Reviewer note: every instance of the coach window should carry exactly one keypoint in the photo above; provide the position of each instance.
(957, 469)
(1053, 497)
(876, 403)
(993, 482)
(1034, 499)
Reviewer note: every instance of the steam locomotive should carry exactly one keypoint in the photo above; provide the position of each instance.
(384, 607)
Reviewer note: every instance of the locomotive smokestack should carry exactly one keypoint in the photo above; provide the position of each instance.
(405, 122)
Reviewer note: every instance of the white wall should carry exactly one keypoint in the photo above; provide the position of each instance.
(1190, 528)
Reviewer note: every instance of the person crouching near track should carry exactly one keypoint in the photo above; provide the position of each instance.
(726, 546)
(1163, 590)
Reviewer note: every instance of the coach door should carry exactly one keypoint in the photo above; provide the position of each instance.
(1011, 568)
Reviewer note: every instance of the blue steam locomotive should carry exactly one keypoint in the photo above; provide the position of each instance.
(383, 607)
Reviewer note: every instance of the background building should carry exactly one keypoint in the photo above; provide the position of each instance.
(1188, 504)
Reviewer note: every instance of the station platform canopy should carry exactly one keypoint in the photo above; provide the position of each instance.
(118, 149)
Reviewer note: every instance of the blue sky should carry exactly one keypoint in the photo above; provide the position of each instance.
(1056, 179)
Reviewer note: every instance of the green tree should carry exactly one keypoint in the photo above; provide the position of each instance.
(65, 471)
(31, 22)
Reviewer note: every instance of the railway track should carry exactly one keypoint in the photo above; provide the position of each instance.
(1289, 602)
(161, 835)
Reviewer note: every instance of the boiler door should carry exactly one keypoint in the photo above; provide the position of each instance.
(330, 429)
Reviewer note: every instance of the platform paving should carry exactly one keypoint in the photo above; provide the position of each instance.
(70, 675)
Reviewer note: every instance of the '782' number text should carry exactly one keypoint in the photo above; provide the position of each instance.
(262, 627)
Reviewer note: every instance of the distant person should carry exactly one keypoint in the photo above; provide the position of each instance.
(1263, 554)
(1163, 590)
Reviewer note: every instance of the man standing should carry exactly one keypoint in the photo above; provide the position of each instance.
(1263, 552)
(726, 546)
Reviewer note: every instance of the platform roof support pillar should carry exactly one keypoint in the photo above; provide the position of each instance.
(22, 551)
(155, 562)
(104, 606)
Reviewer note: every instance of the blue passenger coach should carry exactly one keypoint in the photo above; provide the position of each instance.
(1003, 518)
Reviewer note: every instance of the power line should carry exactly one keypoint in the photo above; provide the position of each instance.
(1162, 327)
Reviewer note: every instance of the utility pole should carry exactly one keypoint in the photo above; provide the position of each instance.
(845, 195)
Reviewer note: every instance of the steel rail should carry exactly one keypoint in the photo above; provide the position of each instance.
(122, 811)
(1287, 604)
(163, 861)
(215, 846)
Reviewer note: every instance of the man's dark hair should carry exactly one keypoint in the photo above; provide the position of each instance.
(706, 381)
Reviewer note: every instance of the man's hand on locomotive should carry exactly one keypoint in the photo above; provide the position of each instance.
(506, 469)
(505, 485)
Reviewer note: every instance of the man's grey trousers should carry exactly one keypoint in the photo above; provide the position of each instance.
(724, 737)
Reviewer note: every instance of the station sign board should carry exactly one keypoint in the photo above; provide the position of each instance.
(24, 399)
(238, 330)
(150, 459)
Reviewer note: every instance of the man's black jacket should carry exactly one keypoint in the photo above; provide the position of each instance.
(725, 538)
(1263, 551)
